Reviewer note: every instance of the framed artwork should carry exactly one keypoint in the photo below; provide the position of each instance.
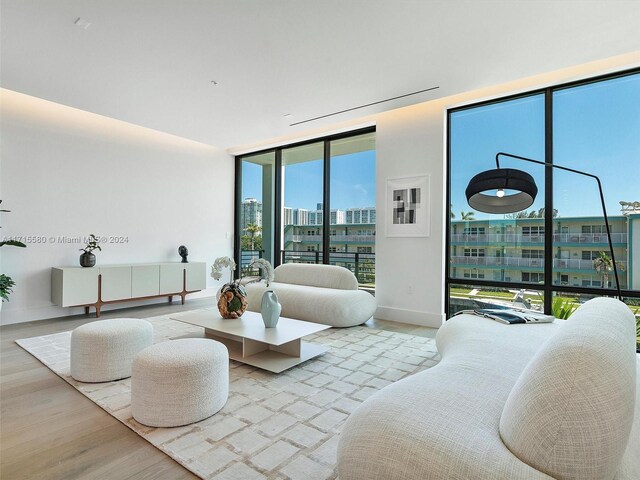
(407, 204)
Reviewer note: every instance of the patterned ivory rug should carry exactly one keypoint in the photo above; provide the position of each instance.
(274, 426)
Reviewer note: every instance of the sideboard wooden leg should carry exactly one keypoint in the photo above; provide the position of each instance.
(86, 310)
(170, 298)
(98, 304)
(183, 294)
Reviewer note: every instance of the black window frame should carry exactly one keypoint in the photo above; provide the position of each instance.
(548, 288)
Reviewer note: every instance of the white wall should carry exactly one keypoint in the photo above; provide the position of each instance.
(410, 271)
(67, 172)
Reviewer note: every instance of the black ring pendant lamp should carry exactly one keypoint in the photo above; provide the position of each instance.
(501, 179)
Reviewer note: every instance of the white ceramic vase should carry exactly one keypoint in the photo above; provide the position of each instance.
(270, 309)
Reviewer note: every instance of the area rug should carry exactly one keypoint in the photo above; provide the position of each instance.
(274, 426)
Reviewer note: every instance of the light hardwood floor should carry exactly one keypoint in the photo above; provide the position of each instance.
(48, 430)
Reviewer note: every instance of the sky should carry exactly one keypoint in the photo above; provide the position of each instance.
(353, 182)
(596, 129)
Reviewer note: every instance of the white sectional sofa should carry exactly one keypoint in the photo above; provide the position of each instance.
(324, 294)
(509, 402)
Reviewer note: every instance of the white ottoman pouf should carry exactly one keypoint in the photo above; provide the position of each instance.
(179, 382)
(102, 351)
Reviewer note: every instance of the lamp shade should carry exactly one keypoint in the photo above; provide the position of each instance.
(501, 179)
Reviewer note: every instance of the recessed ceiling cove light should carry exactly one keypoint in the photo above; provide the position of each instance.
(82, 23)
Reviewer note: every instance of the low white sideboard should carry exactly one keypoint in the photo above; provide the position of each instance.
(100, 285)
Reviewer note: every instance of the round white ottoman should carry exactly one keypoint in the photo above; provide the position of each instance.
(179, 382)
(103, 351)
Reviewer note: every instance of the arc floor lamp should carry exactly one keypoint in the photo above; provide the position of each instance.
(486, 193)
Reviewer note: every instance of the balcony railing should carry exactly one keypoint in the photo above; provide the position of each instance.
(579, 264)
(334, 238)
(300, 238)
(498, 261)
(566, 238)
(246, 257)
(363, 265)
(558, 263)
(487, 238)
(589, 238)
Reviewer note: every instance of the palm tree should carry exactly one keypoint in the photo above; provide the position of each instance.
(603, 265)
(453, 215)
(467, 215)
(252, 229)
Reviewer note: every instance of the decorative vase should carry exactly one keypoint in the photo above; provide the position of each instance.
(232, 300)
(87, 259)
(270, 309)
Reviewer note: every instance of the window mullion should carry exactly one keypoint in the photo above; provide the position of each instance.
(326, 204)
(278, 227)
(548, 201)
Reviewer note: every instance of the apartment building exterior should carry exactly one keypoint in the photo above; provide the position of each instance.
(250, 213)
(352, 243)
(360, 215)
(295, 216)
(351, 246)
(337, 217)
(512, 250)
(351, 238)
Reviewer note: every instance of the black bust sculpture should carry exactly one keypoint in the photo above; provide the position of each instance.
(183, 252)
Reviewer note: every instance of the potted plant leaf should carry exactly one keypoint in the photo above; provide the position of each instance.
(88, 259)
(6, 287)
(6, 282)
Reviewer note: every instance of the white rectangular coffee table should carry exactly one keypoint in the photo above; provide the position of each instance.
(248, 341)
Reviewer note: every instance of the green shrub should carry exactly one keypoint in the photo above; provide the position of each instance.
(562, 308)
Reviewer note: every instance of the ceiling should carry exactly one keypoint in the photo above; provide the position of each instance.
(151, 62)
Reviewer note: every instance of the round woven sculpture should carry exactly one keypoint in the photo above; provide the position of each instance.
(232, 300)
(179, 382)
(102, 351)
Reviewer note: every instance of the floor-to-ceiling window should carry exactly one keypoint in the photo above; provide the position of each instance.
(302, 213)
(556, 254)
(322, 202)
(504, 249)
(255, 198)
(353, 206)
